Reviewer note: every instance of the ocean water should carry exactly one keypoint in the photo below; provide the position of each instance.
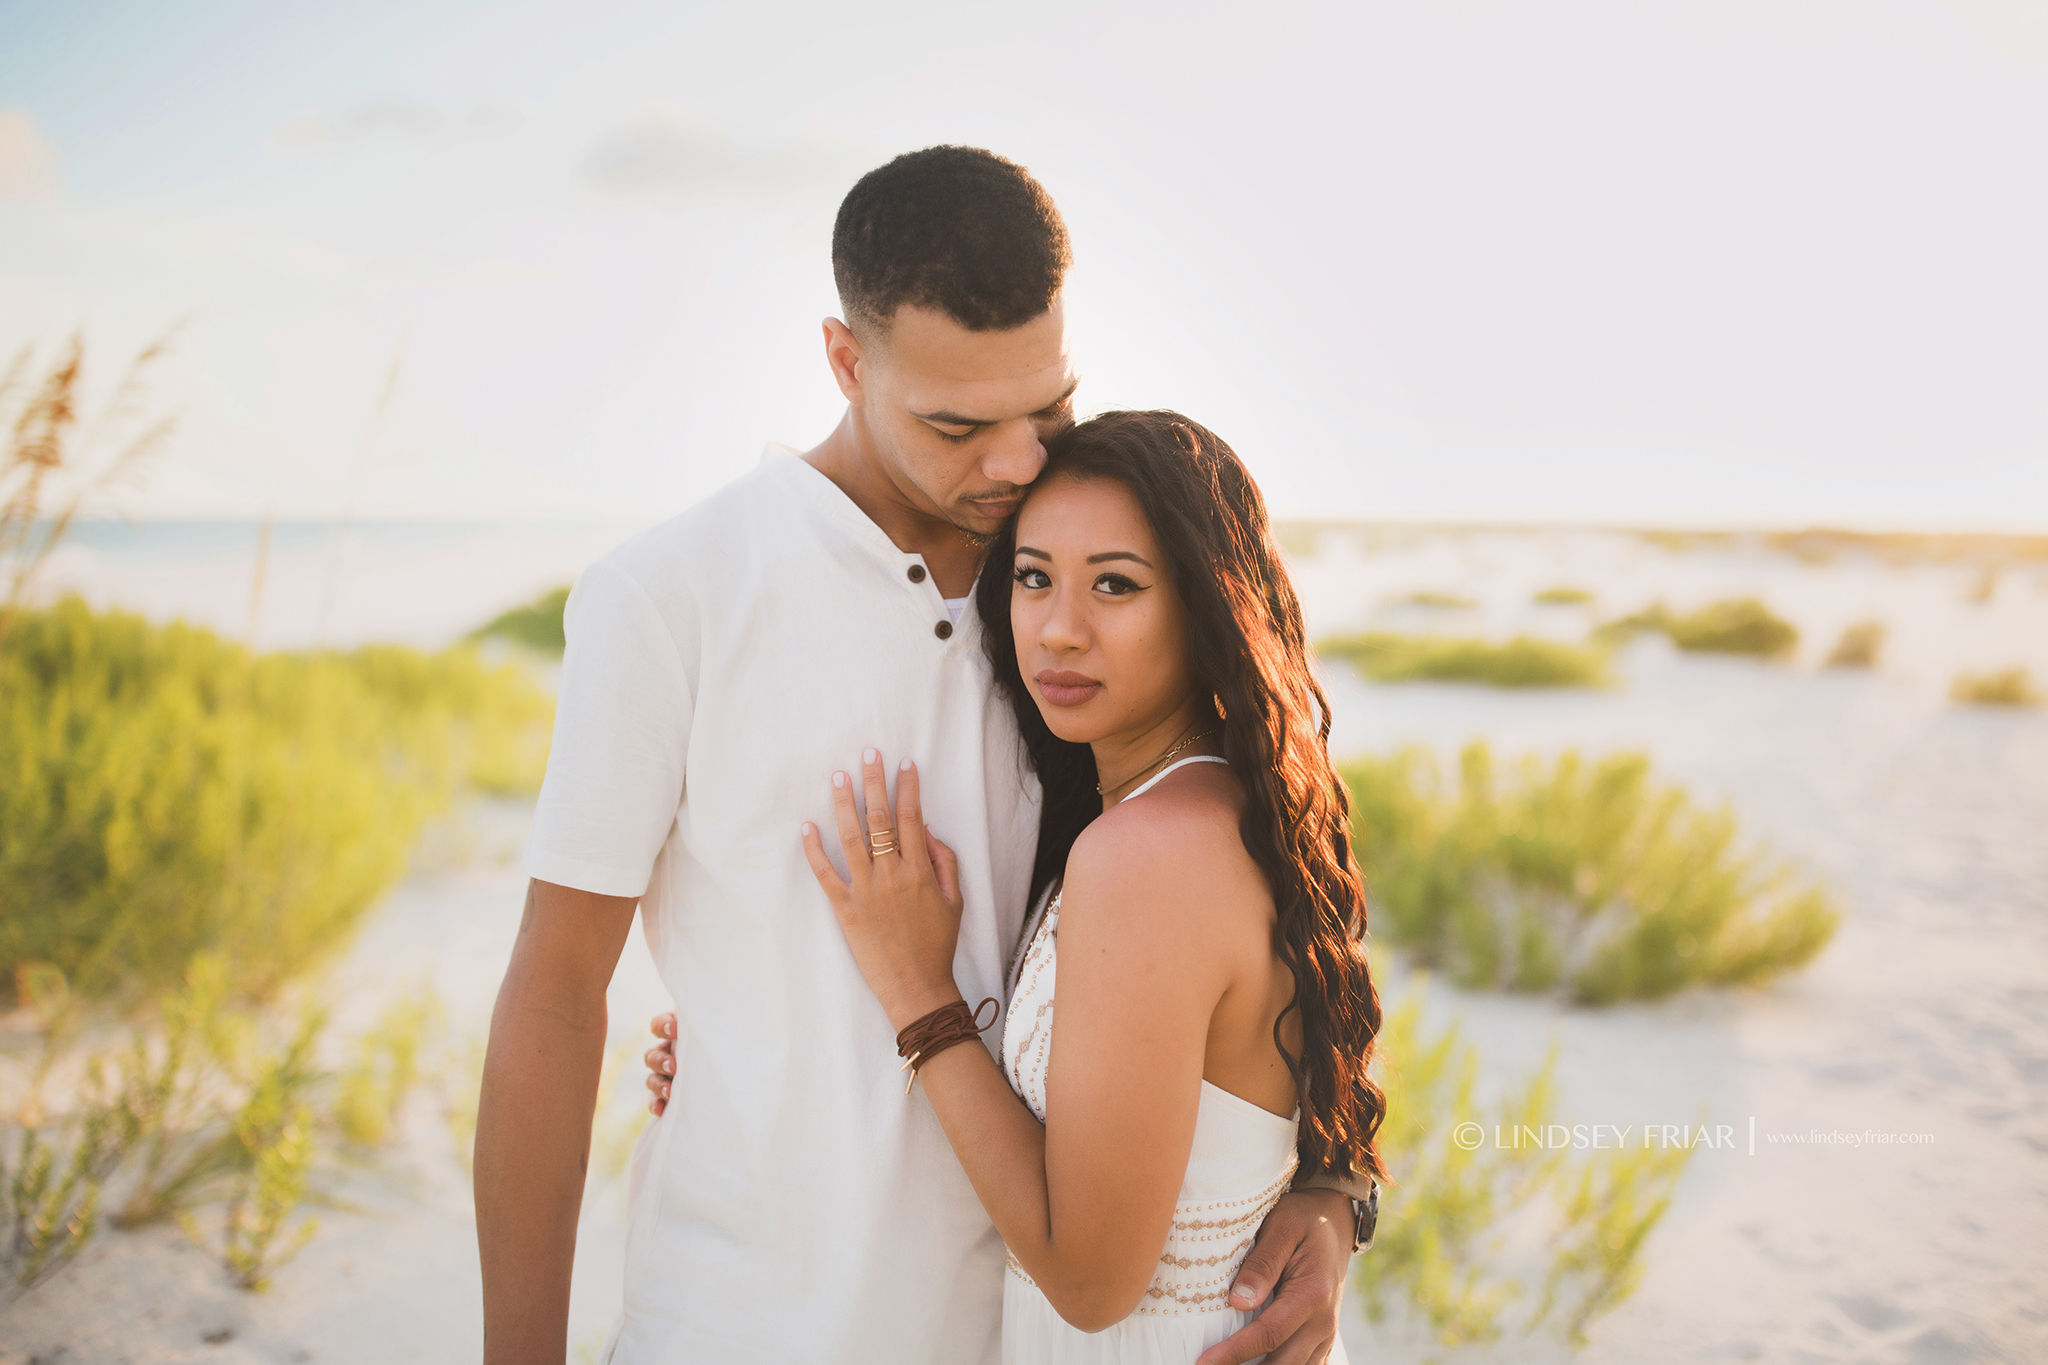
(324, 583)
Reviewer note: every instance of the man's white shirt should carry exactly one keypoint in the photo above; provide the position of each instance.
(793, 1204)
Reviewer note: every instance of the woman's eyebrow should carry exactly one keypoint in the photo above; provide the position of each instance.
(1104, 557)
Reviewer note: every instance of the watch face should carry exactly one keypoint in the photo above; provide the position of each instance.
(1365, 1219)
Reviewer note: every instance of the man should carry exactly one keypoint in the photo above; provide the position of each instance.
(793, 1204)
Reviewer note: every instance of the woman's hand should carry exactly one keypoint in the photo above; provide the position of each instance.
(901, 909)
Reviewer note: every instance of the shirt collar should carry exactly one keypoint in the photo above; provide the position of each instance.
(806, 483)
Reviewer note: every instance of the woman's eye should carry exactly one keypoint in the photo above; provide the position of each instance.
(1116, 585)
(1028, 577)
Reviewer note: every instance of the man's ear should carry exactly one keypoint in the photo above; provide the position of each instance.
(845, 356)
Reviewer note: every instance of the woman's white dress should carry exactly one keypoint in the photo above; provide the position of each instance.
(1242, 1160)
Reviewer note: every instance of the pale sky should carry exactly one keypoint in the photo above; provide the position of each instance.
(1695, 261)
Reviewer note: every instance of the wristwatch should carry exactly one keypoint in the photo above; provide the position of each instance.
(1365, 1219)
(1365, 1213)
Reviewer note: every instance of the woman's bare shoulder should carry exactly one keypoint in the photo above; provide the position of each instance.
(1175, 855)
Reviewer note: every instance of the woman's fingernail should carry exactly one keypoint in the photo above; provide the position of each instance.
(668, 1066)
(869, 756)
(904, 766)
(664, 1089)
(839, 779)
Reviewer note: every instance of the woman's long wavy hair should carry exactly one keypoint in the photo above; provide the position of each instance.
(1250, 652)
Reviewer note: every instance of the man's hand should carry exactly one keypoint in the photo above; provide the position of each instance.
(661, 1062)
(1303, 1248)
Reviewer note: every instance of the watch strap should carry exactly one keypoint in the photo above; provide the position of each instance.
(1354, 1187)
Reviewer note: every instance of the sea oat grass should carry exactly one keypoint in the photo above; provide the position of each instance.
(1562, 596)
(57, 459)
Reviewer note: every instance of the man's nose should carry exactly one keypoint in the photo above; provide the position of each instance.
(1016, 455)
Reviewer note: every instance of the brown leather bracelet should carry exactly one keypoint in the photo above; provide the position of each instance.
(926, 1037)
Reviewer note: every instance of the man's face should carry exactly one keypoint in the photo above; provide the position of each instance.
(960, 418)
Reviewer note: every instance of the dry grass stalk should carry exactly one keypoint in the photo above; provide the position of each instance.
(47, 447)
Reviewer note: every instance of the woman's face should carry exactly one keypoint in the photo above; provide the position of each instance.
(1101, 633)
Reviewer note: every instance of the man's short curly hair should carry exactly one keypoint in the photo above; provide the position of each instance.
(957, 229)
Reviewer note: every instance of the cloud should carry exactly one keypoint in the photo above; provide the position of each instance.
(664, 153)
(28, 165)
(390, 118)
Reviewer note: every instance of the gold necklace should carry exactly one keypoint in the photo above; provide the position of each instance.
(1099, 788)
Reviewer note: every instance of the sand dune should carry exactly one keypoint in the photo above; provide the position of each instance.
(1928, 1014)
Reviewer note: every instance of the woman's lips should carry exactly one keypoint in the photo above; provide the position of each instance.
(1066, 689)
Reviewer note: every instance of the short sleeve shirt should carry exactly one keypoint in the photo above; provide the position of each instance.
(792, 1204)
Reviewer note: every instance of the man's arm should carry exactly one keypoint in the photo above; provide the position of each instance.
(533, 1118)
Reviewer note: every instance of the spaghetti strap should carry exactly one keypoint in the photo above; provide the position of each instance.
(1149, 783)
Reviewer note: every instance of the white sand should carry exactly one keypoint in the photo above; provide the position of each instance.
(1929, 1013)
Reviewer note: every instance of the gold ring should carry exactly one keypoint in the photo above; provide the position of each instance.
(881, 841)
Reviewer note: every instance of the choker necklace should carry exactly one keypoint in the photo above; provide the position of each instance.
(1099, 788)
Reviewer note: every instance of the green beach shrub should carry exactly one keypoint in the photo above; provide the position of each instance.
(536, 625)
(385, 1067)
(1525, 661)
(1584, 877)
(459, 1084)
(1859, 646)
(225, 1115)
(1737, 625)
(2007, 687)
(270, 1151)
(1439, 601)
(165, 793)
(1439, 1260)
(51, 1175)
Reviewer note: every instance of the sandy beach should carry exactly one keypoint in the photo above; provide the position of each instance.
(1927, 1015)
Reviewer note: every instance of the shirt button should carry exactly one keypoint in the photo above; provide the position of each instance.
(917, 573)
(944, 630)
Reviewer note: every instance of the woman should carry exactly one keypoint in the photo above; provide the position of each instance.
(1196, 904)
